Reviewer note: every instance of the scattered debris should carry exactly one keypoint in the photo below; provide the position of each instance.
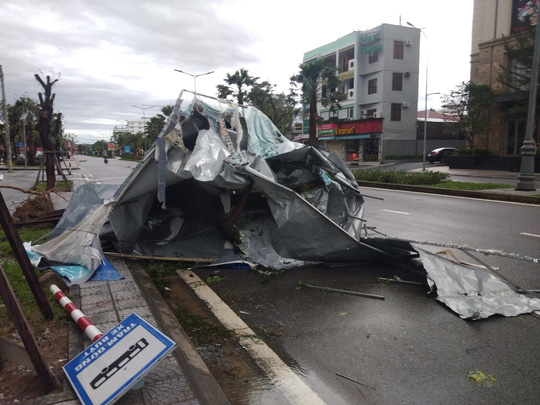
(398, 280)
(480, 379)
(360, 294)
(473, 293)
(355, 381)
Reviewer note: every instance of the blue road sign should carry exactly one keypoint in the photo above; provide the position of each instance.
(111, 366)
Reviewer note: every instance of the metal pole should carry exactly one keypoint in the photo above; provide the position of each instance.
(424, 151)
(143, 108)
(425, 120)
(6, 124)
(526, 177)
(194, 77)
(25, 114)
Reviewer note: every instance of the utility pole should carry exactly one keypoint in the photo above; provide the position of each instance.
(144, 108)
(194, 77)
(6, 124)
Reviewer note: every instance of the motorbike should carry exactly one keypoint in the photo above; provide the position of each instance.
(105, 160)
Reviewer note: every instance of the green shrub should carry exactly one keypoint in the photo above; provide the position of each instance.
(470, 152)
(401, 177)
(403, 157)
(132, 158)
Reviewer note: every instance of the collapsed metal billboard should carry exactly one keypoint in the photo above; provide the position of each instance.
(222, 175)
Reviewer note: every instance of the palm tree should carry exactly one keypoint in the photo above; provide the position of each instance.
(319, 84)
(156, 124)
(241, 80)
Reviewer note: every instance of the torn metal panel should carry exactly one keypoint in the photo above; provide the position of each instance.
(178, 200)
(473, 293)
(84, 200)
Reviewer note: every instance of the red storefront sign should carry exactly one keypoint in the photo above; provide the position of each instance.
(359, 127)
(327, 130)
(368, 126)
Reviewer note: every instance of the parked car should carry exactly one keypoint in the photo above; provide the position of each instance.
(439, 154)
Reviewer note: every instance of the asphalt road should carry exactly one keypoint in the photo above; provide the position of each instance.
(407, 348)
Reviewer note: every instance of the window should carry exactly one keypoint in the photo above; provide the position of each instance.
(395, 112)
(373, 57)
(397, 81)
(398, 49)
(371, 112)
(372, 86)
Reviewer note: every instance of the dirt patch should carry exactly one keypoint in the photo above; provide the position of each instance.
(35, 206)
(19, 383)
(234, 371)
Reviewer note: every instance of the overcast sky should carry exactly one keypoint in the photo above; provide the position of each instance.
(111, 55)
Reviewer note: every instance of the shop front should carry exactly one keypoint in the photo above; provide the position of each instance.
(354, 141)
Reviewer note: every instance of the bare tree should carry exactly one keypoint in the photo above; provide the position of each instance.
(45, 111)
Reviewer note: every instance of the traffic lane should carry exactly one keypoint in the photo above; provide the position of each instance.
(406, 349)
(508, 227)
(95, 170)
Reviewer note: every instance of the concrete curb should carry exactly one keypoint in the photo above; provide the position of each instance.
(486, 195)
(201, 380)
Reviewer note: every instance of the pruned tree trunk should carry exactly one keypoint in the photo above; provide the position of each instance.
(46, 102)
(30, 142)
(313, 116)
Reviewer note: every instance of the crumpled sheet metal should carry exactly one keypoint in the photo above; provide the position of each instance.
(473, 293)
(312, 199)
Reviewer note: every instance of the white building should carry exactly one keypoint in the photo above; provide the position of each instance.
(136, 126)
(379, 71)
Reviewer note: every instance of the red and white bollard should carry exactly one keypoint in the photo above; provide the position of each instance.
(84, 323)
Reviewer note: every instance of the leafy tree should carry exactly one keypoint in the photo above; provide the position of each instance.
(24, 109)
(237, 85)
(280, 108)
(123, 138)
(319, 84)
(100, 147)
(471, 103)
(156, 124)
(45, 117)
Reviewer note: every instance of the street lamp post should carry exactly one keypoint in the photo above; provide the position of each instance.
(144, 108)
(425, 126)
(426, 99)
(23, 117)
(121, 124)
(526, 177)
(194, 77)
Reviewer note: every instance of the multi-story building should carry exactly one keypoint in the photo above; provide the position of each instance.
(135, 127)
(379, 71)
(494, 22)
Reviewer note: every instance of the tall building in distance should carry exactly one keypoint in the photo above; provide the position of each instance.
(135, 127)
(379, 71)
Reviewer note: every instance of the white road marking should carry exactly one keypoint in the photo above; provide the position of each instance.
(279, 373)
(529, 234)
(397, 212)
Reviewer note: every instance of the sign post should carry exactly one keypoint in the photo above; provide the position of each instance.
(118, 361)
